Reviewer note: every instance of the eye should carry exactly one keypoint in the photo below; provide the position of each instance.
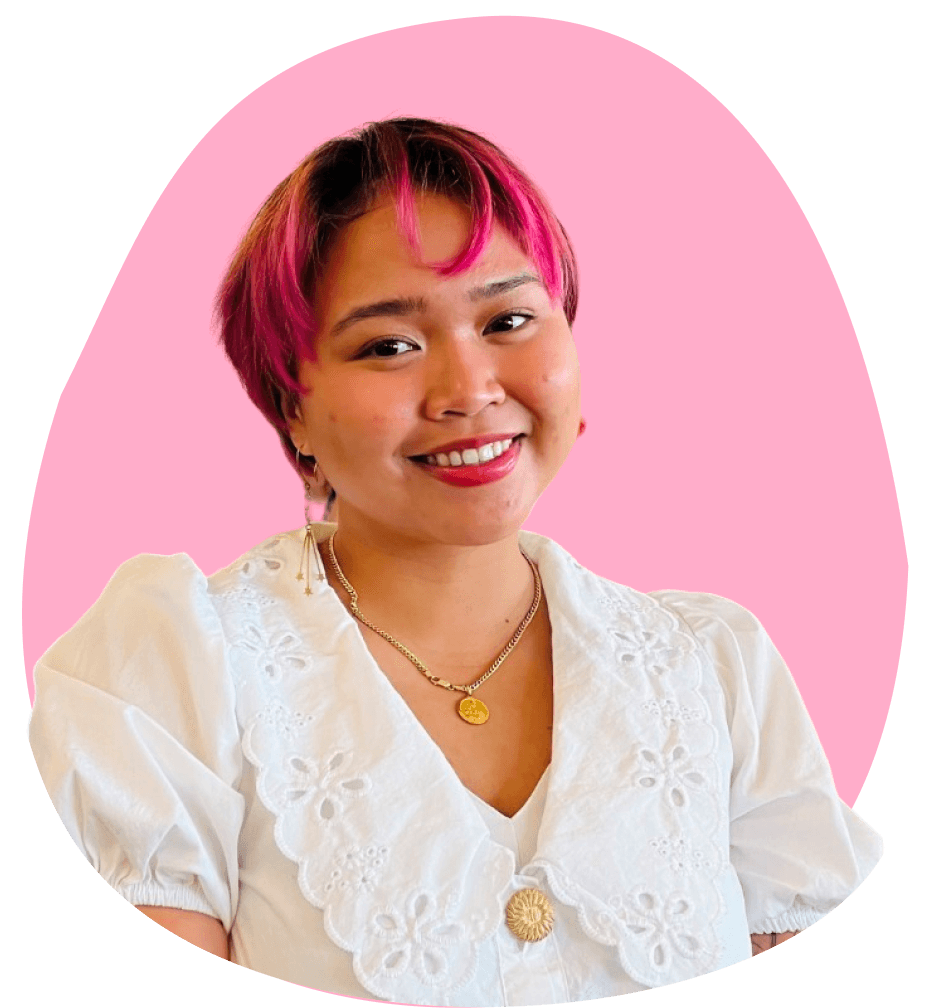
(509, 321)
(386, 348)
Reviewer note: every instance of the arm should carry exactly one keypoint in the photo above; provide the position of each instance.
(199, 929)
(763, 942)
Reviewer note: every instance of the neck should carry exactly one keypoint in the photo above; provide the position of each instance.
(433, 594)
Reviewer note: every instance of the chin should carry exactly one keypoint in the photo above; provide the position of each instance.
(481, 529)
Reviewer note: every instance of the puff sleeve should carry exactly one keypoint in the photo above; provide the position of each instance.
(797, 849)
(135, 735)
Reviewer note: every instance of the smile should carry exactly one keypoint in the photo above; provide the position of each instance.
(473, 466)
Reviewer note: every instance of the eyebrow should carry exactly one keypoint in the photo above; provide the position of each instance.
(393, 307)
(399, 307)
(496, 287)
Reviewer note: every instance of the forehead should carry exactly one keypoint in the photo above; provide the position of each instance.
(371, 259)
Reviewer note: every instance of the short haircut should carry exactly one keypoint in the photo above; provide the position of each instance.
(263, 306)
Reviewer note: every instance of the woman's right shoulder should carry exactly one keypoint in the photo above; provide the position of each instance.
(154, 609)
(151, 577)
(145, 590)
(161, 618)
(172, 585)
(160, 603)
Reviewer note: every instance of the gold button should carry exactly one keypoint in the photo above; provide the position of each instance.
(529, 915)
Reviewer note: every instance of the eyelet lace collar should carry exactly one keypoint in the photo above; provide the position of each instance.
(388, 842)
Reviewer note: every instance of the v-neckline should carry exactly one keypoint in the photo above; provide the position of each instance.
(327, 591)
(514, 820)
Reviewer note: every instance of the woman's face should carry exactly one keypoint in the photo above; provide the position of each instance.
(416, 372)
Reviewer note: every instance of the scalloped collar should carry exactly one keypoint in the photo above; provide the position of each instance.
(388, 841)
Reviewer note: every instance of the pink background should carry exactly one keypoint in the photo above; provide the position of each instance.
(733, 443)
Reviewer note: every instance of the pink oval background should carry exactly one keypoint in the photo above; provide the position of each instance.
(733, 443)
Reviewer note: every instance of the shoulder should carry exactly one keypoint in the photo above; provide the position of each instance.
(727, 631)
(151, 575)
(144, 596)
(708, 613)
(160, 600)
(729, 636)
(152, 641)
(690, 610)
(692, 607)
(746, 662)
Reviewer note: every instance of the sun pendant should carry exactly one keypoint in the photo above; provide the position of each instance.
(473, 711)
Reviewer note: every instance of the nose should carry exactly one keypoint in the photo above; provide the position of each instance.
(462, 379)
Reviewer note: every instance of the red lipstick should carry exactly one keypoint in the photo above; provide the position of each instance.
(474, 475)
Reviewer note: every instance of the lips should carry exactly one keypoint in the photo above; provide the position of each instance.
(468, 468)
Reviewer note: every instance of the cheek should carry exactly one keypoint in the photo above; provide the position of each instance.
(360, 418)
(555, 382)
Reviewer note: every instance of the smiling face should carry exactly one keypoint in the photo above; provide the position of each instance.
(413, 367)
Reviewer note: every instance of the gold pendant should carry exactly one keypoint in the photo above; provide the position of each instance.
(473, 711)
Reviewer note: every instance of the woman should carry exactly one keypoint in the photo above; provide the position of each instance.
(423, 755)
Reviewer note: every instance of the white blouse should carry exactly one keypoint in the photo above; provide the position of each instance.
(229, 745)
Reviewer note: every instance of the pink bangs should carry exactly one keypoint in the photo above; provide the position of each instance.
(520, 207)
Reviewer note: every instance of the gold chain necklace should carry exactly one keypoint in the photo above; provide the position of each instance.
(470, 709)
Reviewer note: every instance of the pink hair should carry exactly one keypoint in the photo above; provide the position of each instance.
(263, 306)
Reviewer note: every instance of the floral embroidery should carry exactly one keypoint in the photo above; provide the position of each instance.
(625, 600)
(288, 723)
(275, 653)
(258, 564)
(416, 940)
(672, 770)
(663, 926)
(245, 597)
(356, 869)
(328, 789)
(671, 712)
(643, 641)
(680, 855)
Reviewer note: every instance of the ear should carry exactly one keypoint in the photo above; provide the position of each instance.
(289, 406)
(298, 433)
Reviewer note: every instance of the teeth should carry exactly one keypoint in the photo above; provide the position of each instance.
(470, 456)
